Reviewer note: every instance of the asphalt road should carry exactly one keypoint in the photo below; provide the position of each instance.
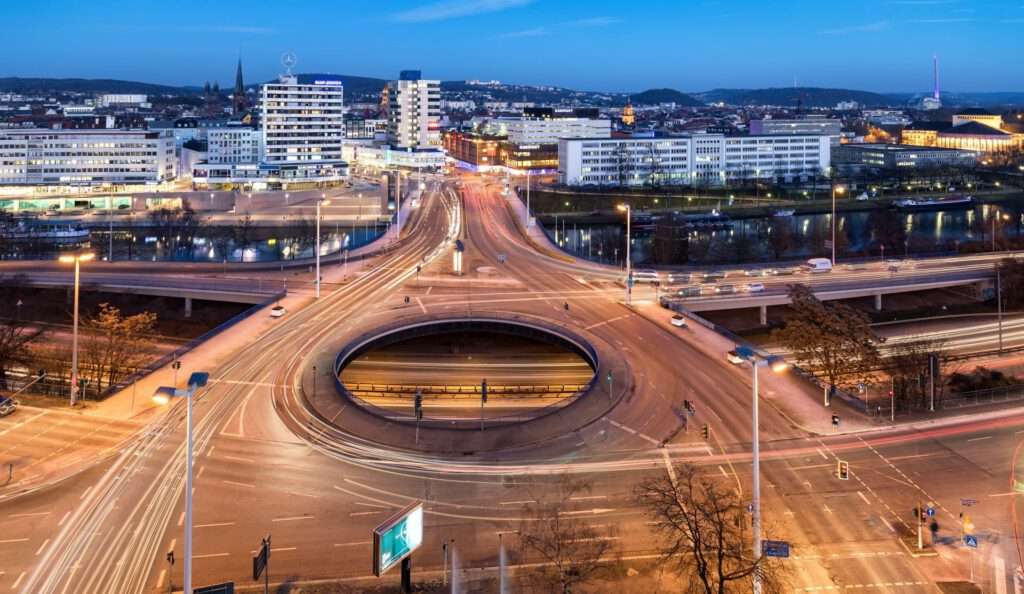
(108, 529)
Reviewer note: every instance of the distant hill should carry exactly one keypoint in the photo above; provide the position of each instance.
(658, 96)
(789, 96)
(89, 85)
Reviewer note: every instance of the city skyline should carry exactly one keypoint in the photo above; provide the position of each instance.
(881, 45)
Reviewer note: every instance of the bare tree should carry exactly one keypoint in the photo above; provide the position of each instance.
(572, 551)
(115, 345)
(910, 362)
(15, 334)
(702, 525)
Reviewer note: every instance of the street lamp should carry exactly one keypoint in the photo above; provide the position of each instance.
(835, 190)
(995, 217)
(162, 396)
(629, 267)
(778, 365)
(321, 201)
(76, 259)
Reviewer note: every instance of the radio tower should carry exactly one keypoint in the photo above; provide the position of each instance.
(935, 67)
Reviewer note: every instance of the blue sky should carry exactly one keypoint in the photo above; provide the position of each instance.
(622, 45)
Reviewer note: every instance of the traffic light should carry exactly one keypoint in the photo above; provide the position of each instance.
(418, 405)
(483, 391)
(705, 431)
(843, 470)
(835, 421)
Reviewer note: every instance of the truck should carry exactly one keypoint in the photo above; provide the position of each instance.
(818, 265)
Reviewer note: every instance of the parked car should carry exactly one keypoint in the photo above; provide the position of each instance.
(7, 406)
(734, 358)
(679, 321)
(278, 311)
(755, 288)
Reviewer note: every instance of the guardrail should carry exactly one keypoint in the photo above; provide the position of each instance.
(439, 391)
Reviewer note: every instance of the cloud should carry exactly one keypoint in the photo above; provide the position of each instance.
(535, 32)
(451, 9)
(599, 21)
(865, 28)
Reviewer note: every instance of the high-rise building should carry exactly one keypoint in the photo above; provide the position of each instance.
(303, 128)
(414, 111)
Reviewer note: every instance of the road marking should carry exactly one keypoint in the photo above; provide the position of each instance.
(42, 546)
(586, 497)
(280, 549)
(11, 540)
(668, 465)
(17, 582)
(365, 513)
(31, 515)
(887, 524)
(635, 432)
(237, 459)
(64, 518)
(523, 502)
(240, 484)
(200, 473)
(979, 438)
(353, 544)
(160, 580)
(722, 470)
(826, 508)
(16, 425)
(1004, 494)
(999, 565)
(214, 525)
(84, 493)
(862, 496)
(373, 505)
(422, 307)
(822, 454)
(291, 518)
(209, 555)
(181, 520)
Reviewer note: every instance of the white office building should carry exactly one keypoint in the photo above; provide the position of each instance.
(548, 131)
(122, 99)
(90, 157)
(414, 111)
(232, 144)
(303, 129)
(697, 159)
(830, 127)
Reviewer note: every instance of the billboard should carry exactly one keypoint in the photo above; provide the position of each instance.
(397, 538)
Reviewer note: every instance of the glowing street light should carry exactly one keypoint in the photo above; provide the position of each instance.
(75, 259)
(162, 396)
(629, 266)
(777, 365)
(321, 201)
(835, 190)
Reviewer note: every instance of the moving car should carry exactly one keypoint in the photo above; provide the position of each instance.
(7, 406)
(710, 277)
(782, 271)
(278, 311)
(725, 289)
(755, 288)
(645, 276)
(818, 265)
(679, 321)
(734, 358)
(689, 292)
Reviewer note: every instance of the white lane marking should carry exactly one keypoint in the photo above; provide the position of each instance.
(523, 502)
(979, 438)
(822, 454)
(84, 493)
(181, 520)
(291, 518)
(722, 470)
(668, 465)
(63, 518)
(209, 555)
(635, 432)
(16, 425)
(888, 525)
(42, 546)
(586, 497)
(422, 307)
(863, 497)
(17, 582)
(214, 525)
(279, 550)
(247, 485)
(238, 459)
(160, 580)
(30, 515)
(12, 540)
(353, 544)
(365, 513)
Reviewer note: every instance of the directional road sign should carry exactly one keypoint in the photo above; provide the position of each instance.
(775, 548)
(971, 541)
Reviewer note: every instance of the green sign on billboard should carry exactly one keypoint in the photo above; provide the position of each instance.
(396, 538)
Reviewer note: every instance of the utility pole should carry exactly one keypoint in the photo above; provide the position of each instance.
(999, 304)
(483, 400)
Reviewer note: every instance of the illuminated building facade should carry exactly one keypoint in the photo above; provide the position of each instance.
(867, 156)
(972, 129)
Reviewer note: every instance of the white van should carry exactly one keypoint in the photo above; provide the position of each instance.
(645, 276)
(818, 265)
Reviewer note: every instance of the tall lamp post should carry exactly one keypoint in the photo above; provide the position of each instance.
(996, 216)
(320, 201)
(835, 190)
(629, 266)
(163, 396)
(77, 260)
(778, 365)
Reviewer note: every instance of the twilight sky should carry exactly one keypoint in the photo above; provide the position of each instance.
(621, 45)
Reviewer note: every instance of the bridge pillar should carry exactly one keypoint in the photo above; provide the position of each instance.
(188, 307)
(878, 302)
(764, 315)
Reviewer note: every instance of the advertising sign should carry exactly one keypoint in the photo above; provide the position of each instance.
(397, 538)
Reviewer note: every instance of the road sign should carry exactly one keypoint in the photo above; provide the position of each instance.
(397, 538)
(968, 502)
(929, 511)
(971, 541)
(225, 588)
(259, 562)
(775, 548)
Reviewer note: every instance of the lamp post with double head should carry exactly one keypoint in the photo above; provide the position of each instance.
(77, 260)
(163, 396)
(778, 365)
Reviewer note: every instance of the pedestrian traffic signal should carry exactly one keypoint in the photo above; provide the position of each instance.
(483, 391)
(835, 421)
(418, 405)
(843, 470)
(705, 431)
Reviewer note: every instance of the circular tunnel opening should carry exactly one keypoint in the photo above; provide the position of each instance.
(528, 371)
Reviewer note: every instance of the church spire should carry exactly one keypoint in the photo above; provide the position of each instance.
(239, 94)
